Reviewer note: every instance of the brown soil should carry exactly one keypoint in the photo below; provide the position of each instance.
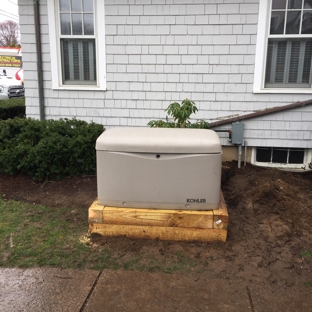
(269, 236)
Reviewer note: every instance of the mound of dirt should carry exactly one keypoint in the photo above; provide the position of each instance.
(270, 213)
(270, 222)
(271, 196)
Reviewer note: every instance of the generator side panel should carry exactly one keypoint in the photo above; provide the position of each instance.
(160, 181)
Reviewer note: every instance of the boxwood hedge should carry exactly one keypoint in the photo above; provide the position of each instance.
(11, 108)
(48, 149)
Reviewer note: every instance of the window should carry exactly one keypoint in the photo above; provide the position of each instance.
(75, 44)
(289, 59)
(77, 53)
(284, 46)
(280, 155)
(295, 158)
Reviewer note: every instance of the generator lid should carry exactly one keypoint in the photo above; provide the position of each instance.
(159, 140)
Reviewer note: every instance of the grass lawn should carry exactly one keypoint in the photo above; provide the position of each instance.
(32, 236)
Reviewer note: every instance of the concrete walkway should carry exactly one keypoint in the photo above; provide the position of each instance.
(85, 291)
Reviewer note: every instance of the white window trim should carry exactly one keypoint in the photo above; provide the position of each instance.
(296, 167)
(261, 51)
(99, 29)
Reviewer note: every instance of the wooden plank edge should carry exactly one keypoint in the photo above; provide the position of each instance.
(220, 222)
(222, 209)
(95, 213)
(221, 216)
(217, 219)
(162, 233)
(154, 217)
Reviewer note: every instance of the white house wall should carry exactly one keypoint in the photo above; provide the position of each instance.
(160, 51)
(291, 128)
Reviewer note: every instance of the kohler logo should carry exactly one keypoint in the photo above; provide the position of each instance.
(196, 200)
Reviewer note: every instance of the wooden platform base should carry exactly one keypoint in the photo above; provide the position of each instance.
(180, 225)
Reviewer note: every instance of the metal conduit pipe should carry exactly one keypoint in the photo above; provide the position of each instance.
(39, 59)
(229, 132)
(245, 153)
(239, 155)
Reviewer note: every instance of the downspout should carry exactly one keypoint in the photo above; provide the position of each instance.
(39, 59)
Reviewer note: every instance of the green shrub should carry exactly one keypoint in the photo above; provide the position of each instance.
(12, 108)
(181, 115)
(50, 148)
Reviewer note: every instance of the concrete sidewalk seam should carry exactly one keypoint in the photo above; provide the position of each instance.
(90, 292)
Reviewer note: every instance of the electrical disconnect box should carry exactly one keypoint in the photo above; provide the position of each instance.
(159, 168)
(237, 133)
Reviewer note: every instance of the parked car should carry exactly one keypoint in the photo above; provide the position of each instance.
(10, 87)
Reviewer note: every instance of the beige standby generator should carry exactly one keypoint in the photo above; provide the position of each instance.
(159, 168)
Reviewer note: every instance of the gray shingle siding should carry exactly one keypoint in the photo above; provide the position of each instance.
(163, 51)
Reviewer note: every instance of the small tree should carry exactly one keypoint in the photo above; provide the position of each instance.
(180, 114)
(9, 33)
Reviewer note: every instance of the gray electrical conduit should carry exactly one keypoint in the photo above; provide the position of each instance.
(239, 148)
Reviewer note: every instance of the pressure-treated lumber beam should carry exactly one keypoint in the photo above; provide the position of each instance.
(154, 217)
(184, 225)
(158, 232)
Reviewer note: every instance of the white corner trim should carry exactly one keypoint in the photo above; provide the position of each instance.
(79, 88)
(285, 90)
(53, 45)
(262, 31)
(100, 43)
